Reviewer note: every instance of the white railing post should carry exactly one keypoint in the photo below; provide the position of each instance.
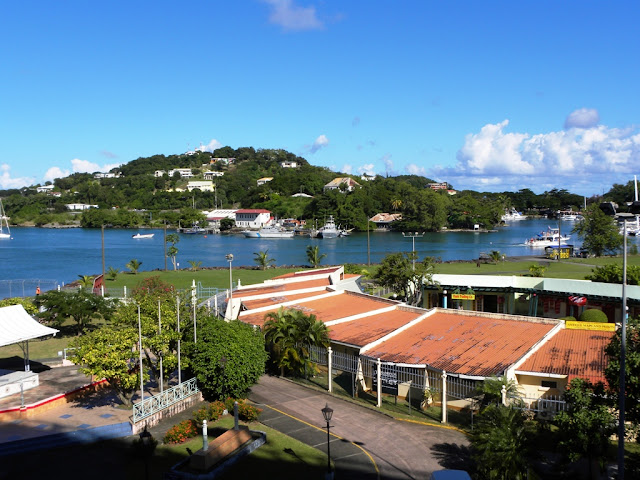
(503, 394)
(444, 396)
(125, 292)
(329, 367)
(379, 376)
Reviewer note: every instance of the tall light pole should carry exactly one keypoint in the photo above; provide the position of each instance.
(623, 348)
(413, 236)
(229, 257)
(327, 413)
(140, 352)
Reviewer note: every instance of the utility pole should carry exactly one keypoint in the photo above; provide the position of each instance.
(413, 236)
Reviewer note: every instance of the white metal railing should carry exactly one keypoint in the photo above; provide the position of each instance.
(159, 402)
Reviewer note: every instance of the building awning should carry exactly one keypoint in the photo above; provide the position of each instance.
(16, 326)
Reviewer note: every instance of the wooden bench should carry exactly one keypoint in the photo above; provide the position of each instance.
(219, 448)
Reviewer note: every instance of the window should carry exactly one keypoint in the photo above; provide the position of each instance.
(548, 384)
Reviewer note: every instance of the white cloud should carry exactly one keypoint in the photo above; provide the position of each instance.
(368, 168)
(7, 182)
(210, 147)
(582, 118)
(55, 172)
(292, 17)
(77, 166)
(581, 158)
(346, 168)
(320, 142)
(413, 169)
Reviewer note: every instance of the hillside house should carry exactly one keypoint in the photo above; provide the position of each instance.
(202, 185)
(340, 183)
(252, 218)
(263, 180)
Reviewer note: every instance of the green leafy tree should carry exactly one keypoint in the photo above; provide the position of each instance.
(598, 231)
(158, 321)
(86, 281)
(195, 265)
(112, 273)
(82, 306)
(587, 424)
(396, 272)
(228, 358)
(500, 443)
(172, 251)
(26, 303)
(537, 270)
(632, 371)
(612, 273)
(495, 255)
(263, 260)
(226, 224)
(288, 335)
(314, 257)
(133, 265)
(490, 391)
(109, 353)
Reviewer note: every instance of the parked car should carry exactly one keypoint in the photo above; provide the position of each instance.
(450, 475)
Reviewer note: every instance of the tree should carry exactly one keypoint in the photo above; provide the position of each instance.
(158, 322)
(86, 281)
(172, 251)
(26, 303)
(500, 443)
(263, 260)
(612, 273)
(133, 265)
(195, 265)
(490, 391)
(536, 270)
(228, 358)
(288, 335)
(396, 273)
(82, 306)
(109, 353)
(226, 224)
(313, 255)
(598, 231)
(112, 273)
(632, 371)
(587, 424)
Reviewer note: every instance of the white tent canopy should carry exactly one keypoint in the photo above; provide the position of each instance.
(16, 326)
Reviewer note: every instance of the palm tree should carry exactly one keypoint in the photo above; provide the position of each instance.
(86, 281)
(313, 255)
(195, 265)
(490, 390)
(495, 255)
(133, 266)
(112, 273)
(396, 204)
(263, 260)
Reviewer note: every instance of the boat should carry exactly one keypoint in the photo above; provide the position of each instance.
(5, 231)
(570, 216)
(547, 238)
(272, 231)
(511, 215)
(143, 235)
(329, 229)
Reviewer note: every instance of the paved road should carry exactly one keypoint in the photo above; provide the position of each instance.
(370, 444)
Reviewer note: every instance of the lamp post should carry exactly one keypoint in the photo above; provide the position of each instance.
(229, 257)
(412, 236)
(327, 413)
(146, 442)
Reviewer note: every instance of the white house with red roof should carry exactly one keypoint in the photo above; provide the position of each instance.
(252, 217)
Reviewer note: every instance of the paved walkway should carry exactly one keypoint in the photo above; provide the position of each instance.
(365, 443)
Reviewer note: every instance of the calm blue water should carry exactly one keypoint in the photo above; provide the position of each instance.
(62, 255)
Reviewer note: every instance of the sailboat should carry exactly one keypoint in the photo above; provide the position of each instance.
(5, 231)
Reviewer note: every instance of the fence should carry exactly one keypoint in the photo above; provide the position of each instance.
(25, 288)
(380, 377)
(152, 405)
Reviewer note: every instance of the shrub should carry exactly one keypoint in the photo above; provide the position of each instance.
(569, 319)
(246, 412)
(210, 412)
(593, 315)
(181, 432)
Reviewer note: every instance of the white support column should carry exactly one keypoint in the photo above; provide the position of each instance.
(379, 375)
(444, 396)
(329, 369)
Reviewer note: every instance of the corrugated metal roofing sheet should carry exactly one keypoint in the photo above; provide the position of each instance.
(463, 344)
(369, 329)
(575, 353)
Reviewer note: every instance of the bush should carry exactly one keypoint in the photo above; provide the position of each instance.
(593, 315)
(246, 412)
(210, 412)
(569, 319)
(181, 432)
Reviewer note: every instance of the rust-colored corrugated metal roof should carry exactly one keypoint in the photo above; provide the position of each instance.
(575, 353)
(280, 287)
(369, 329)
(307, 273)
(464, 344)
(277, 299)
(341, 305)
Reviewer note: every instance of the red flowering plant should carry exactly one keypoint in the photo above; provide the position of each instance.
(246, 412)
(181, 432)
(210, 413)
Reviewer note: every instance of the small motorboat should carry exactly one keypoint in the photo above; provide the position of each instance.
(143, 235)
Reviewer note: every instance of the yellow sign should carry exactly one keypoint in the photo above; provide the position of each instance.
(601, 327)
(463, 296)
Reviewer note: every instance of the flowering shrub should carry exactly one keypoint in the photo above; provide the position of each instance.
(210, 413)
(181, 432)
(247, 412)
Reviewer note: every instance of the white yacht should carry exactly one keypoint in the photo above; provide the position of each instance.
(547, 238)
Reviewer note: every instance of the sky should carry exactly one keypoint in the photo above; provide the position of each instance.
(491, 96)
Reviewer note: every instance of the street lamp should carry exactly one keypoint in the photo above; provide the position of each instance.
(412, 236)
(327, 413)
(147, 445)
(229, 257)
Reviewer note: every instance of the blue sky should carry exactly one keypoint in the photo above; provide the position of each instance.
(489, 96)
